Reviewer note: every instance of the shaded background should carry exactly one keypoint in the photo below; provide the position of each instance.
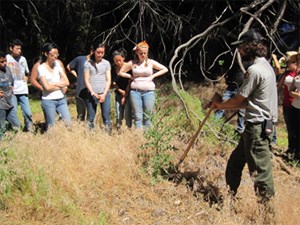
(75, 24)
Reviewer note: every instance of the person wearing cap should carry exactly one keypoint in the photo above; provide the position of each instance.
(295, 105)
(142, 94)
(258, 95)
(285, 82)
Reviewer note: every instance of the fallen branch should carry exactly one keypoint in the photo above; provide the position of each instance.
(283, 166)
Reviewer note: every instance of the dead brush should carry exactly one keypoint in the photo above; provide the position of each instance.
(200, 185)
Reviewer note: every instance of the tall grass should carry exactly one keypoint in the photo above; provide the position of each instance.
(74, 176)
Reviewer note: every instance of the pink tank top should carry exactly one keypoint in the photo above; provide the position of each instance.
(142, 76)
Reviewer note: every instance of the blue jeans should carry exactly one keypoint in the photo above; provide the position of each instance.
(23, 100)
(51, 107)
(123, 111)
(229, 93)
(11, 116)
(92, 110)
(142, 103)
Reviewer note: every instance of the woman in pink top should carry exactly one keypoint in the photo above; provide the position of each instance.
(286, 82)
(295, 105)
(142, 95)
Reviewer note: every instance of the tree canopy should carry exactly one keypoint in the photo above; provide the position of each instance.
(189, 36)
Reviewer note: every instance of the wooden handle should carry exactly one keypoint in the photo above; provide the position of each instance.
(193, 138)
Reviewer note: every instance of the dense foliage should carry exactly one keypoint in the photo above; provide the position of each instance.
(75, 24)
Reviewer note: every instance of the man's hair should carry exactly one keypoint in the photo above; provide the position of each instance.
(15, 42)
(253, 49)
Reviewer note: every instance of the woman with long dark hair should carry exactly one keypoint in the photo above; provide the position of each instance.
(122, 90)
(54, 81)
(97, 77)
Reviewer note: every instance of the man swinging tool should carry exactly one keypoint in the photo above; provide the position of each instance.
(234, 80)
(258, 95)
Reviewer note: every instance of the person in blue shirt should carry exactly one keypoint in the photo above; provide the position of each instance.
(76, 68)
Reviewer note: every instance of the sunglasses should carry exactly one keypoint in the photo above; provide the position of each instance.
(53, 55)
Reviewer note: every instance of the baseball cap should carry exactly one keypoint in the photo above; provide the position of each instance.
(249, 36)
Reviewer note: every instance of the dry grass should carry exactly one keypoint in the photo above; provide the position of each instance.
(81, 177)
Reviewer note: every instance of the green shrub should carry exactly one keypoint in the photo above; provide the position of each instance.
(156, 151)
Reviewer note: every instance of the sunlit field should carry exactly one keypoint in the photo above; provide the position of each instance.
(70, 175)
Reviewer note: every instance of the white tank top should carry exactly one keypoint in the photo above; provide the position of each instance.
(296, 101)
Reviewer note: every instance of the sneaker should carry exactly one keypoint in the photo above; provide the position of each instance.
(108, 130)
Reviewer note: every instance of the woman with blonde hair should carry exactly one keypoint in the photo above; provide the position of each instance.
(142, 94)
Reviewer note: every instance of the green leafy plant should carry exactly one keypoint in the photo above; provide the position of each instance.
(156, 151)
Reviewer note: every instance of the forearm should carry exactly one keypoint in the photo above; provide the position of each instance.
(108, 81)
(107, 87)
(122, 92)
(61, 84)
(295, 94)
(50, 87)
(126, 75)
(278, 70)
(236, 102)
(73, 72)
(124, 70)
(160, 73)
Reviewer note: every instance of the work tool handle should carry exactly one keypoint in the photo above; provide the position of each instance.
(193, 139)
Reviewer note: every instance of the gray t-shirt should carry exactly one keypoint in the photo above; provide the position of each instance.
(98, 76)
(6, 84)
(260, 89)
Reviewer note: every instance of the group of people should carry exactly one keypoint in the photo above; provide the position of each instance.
(132, 81)
(255, 93)
(14, 74)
